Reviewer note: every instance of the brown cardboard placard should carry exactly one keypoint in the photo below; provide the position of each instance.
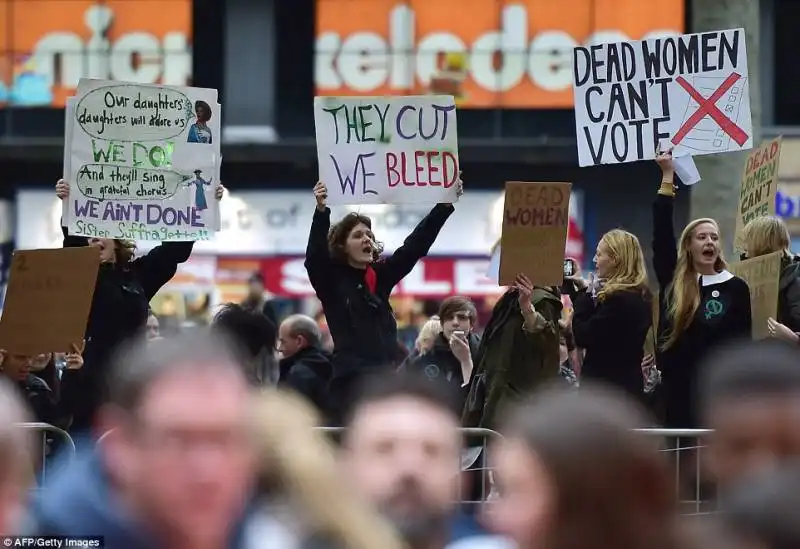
(762, 275)
(48, 299)
(535, 220)
(759, 186)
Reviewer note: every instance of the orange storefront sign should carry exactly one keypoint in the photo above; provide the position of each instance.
(491, 53)
(48, 45)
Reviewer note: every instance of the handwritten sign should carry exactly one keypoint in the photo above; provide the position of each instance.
(535, 220)
(762, 275)
(759, 186)
(143, 161)
(48, 299)
(387, 150)
(692, 90)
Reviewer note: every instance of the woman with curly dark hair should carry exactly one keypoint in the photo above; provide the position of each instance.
(353, 283)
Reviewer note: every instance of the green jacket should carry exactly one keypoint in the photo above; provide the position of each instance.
(512, 362)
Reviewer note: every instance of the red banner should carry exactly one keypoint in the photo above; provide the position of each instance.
(433, 277)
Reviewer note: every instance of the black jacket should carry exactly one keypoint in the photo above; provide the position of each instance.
(440, 364)
(613, 333)
(41, 400)
(361, 323)
(789, 296)
(121, 299)
(724, 315)
(308, 373)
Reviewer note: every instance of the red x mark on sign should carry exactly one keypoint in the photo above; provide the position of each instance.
(708, 107)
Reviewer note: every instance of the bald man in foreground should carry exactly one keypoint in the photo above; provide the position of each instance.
(304, 367)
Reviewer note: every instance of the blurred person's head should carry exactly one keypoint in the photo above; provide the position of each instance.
(16, 458)
(457, 314)
(571, 472)
(251, 333)
(296, 333)
(39, 362)
(16, 366)
(699, 253)
(299, 461)
(153, 327)
(761, 510)
(751, 401)
(113, 250)
(177, 442)
(619, 261)
(352, 241)
(427, 334)
(401, 450)
(764, 235)
(255, 286)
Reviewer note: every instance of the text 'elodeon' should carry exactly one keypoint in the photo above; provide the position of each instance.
(379, 149)
(690, 91)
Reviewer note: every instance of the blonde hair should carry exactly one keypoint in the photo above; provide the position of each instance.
(431, 329)
(683, 293)
(124, 250)
(300, 456)
(629, 269)
(765, 235)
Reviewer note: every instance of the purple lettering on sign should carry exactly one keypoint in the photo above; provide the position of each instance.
(440, 113)
(157, 214)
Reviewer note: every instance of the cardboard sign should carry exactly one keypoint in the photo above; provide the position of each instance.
(48, 299)
(387, 150)
(535, 220)
(762, 275)
(692, 90)
(759, 186)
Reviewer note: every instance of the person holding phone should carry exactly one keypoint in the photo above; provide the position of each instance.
(613, 313)
(452, 356)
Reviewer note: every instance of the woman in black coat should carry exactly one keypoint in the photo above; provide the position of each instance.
(119, 310)
(353, 284)
(613, 315)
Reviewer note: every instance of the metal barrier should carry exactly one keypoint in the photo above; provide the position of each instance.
(685, 447)
(474, 462)
(49, 433)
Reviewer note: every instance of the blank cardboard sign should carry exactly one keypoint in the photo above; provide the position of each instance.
(48, 299)
(535, 220)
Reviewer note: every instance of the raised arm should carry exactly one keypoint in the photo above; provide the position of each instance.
(159, 266)
(62, 192)
(415, 247)
(318, 258)
(665, 247)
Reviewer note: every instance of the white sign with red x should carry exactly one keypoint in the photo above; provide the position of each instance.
(691, 91)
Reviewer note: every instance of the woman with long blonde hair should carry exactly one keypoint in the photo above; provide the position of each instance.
(613, 313)
(765, 235)
(701, 304)
(304, 501)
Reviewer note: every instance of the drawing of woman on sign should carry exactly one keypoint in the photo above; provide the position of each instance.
(199, 183)
(200, 132)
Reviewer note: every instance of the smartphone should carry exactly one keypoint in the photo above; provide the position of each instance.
(459, 334)
(569, 267)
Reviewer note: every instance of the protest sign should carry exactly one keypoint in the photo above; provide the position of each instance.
(762, 275)
(759, 186)
(692, 90)
(142, 161)
(535, 219)
(387, 150)
(48, 299)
